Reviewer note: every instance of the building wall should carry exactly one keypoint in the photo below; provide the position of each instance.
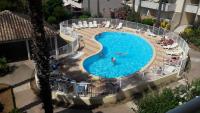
(105, 6)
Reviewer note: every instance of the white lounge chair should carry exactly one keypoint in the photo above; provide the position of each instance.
(80, 24)
(119, 26)
(77, 55)
(107, 24)
(168, 69)
(91, 25)
(174, 45)
(176, 52)
(95, 24)
(150, 33)
(75, 26)
(85, 24)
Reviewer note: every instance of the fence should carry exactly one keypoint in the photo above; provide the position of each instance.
(66, 28)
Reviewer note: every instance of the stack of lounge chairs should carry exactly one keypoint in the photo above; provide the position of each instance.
(94, 24)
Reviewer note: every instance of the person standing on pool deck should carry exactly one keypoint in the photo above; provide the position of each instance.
(113, 60)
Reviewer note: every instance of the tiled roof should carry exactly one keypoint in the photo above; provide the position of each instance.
(14, 27)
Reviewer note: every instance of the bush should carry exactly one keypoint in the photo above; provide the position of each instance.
(149, 21)
(158, 102)
(15, 110)
(1, 107)
(169, 99)
(192, 35)
(3, 66)
(165, 25)
(51, 20)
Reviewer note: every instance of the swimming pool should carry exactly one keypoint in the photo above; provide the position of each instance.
(123, 54)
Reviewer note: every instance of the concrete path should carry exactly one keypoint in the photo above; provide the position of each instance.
(195, 65)
(21, 71)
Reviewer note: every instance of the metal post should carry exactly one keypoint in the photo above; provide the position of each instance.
(28, 50)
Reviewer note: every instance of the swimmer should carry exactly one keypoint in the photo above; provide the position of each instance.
(113, 60)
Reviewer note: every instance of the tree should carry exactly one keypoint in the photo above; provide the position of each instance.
(41, 54)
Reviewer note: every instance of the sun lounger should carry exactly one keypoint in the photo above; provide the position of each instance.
(119, 26)
(150, 33)
(95, 24)
(85, 24)
(176, 52)
(77, 55)
(174, 45)
(107, 24)
(80, 24)
(75, 26)
(91, 25)
(168, 69)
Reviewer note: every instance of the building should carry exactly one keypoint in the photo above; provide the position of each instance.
(15, 37)
(178, 12)
(95, 7)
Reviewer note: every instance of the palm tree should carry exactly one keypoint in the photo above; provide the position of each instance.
(41, 53)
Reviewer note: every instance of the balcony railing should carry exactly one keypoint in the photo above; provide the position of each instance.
(154, 5)
(191, 8)
(73, 3)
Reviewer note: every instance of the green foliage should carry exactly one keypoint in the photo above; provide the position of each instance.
(14, 5)
(169, 99)
(134, 16)
(192, 35)
(15, 110)
(3, 66)
(1, 107)
(158, 102)
(85, 15)
(126, 13)
(165, 25)
(54, 11)
(51, 20)
(149, 21)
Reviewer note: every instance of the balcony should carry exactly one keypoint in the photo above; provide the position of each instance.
(154, 5)
(191, 8)
(198, 13)
(73, 3)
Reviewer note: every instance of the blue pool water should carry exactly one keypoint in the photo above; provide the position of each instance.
(130, 51)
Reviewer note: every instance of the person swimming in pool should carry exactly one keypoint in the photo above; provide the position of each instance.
(113, 59)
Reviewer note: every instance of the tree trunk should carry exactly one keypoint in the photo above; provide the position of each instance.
(41, 53)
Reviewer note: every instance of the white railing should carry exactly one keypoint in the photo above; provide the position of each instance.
(154, 5)
(180, 65)
(158, 31)
(191, 8)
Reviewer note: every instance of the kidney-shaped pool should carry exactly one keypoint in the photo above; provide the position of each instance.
(123, 54)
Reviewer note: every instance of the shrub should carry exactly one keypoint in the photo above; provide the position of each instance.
(15, 110)
(1, 107)
(51, 20)
(165, 25)
(192, 35)
(158, 102)
(3, 66)
(149, 21)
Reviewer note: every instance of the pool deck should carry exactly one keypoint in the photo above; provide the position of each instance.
(89, 46)
(92, 47)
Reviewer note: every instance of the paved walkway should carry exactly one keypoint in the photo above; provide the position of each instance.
(195, 64)
(21, 71)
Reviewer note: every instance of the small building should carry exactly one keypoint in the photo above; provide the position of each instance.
(15, 37)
